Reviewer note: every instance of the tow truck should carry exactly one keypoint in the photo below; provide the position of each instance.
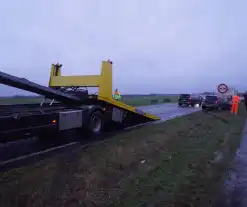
(71, 106)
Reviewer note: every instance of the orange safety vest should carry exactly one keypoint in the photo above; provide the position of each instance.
(235, 99)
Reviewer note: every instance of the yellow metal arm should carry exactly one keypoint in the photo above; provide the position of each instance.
(102, 81)
(63, 81)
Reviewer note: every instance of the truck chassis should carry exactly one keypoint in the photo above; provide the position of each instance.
(75, 110)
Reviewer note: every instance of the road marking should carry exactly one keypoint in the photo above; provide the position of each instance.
(36, 153)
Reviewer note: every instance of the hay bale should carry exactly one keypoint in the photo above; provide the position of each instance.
(166, 100)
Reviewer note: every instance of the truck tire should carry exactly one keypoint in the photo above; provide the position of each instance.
(96, 123)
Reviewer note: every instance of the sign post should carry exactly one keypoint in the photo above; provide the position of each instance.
(222, 88)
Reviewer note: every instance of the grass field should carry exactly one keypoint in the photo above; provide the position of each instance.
(169, 163)
(145, 100)
(134, 100)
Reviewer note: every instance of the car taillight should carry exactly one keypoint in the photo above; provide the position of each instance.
(217, 102)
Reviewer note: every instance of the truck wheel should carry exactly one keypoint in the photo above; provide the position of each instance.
(96, 122)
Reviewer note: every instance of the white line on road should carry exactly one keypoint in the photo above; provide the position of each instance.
(37, 153)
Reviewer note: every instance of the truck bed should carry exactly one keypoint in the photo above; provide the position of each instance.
(9, 110)
(20, 123)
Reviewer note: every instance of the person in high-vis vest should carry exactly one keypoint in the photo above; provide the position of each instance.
(235, 103)
(117, 95)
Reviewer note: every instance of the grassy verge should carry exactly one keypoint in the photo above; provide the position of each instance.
(142, 100)
(167, 163)
(20, 100)
(147, 100)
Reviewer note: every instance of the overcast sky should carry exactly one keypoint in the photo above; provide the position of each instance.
(156, 46)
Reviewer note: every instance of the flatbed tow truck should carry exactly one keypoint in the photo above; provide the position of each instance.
(74, 108)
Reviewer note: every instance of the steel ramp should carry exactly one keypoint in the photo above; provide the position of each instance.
(133, 109)
(30, 86)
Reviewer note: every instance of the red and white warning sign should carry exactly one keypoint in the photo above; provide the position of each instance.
(222, 88)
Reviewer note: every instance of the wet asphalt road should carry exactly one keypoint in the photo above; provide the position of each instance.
(168, 111)
(234, 191)
(23, 147)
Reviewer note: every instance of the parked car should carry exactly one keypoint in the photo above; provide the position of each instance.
(226, 104)
(211, 102)
(189, 100)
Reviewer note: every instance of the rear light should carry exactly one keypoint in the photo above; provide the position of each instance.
(217, 102)
(54, 121)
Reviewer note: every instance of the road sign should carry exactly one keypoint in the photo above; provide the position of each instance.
(222, 88)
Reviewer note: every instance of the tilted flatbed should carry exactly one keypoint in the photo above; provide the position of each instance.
(76, 108)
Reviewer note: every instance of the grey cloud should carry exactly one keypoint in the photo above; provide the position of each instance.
(157, 46)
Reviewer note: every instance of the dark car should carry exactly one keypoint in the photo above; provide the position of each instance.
(210, 102)
(188, 100)
(226, 104)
